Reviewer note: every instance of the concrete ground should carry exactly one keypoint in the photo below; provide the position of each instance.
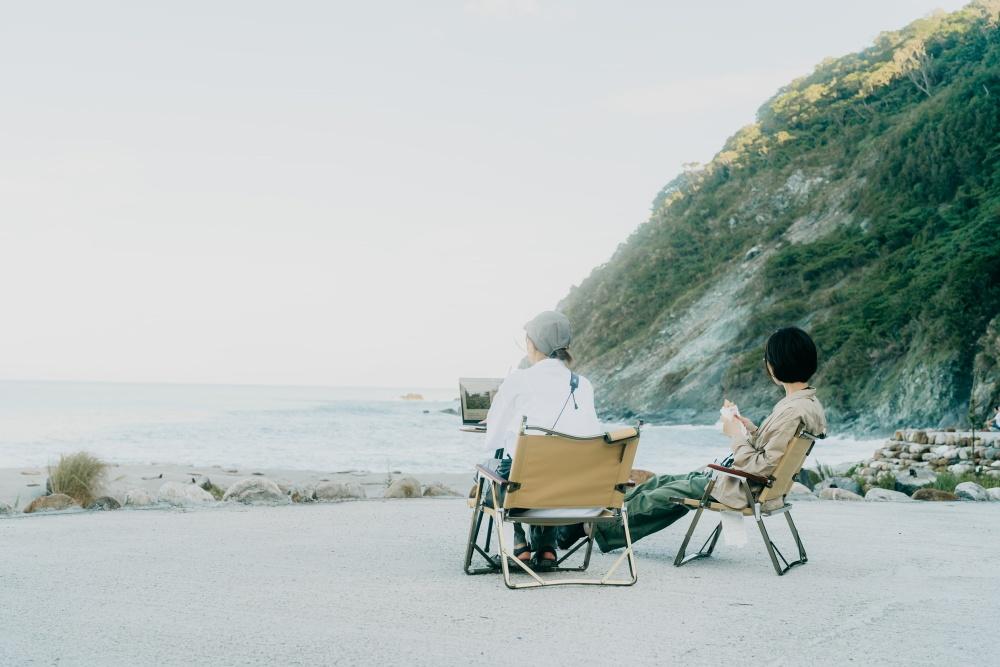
(380, 582)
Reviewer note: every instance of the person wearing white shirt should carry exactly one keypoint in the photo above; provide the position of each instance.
(545, 393)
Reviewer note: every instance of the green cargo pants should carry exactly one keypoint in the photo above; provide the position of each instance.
(649, 508)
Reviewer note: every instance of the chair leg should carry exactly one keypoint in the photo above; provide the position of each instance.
(798, 540)
(681, 558)
(775, 553)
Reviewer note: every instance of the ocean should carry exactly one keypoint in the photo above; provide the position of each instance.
(304, 428)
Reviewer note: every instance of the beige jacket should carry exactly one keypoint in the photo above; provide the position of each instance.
(760, 452)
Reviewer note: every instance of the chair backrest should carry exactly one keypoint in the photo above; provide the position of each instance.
(554, 470)
(789, 466)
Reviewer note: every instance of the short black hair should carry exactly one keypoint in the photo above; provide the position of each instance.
(792, 355)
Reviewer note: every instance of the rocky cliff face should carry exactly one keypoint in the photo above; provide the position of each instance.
(863, 206)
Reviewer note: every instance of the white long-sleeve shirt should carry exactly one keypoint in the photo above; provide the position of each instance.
(539, 393)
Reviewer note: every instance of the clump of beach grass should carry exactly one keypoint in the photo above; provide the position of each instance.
(947, 481)
(80, 476)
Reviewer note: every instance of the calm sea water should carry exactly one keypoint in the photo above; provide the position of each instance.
(308, 428)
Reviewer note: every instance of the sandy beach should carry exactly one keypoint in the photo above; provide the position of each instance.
(380, 582)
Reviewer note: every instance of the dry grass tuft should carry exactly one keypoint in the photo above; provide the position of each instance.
(80, 476)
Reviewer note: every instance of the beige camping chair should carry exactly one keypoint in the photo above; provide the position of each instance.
(555, 480)
(760, 492)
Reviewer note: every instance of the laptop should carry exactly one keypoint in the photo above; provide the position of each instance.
(476, 396)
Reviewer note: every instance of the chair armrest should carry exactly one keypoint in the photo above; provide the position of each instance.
(492, 476)
(733, 472)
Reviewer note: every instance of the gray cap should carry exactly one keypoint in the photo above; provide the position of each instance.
(549, 331)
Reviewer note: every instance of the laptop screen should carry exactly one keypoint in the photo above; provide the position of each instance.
(477, 395)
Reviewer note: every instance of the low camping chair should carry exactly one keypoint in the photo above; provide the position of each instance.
(555, 480)
(759, 491)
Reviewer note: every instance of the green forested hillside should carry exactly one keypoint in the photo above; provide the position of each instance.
(863, 205)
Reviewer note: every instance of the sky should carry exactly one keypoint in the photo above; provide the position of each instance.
(353, 194)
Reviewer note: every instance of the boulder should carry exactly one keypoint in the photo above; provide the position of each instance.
(255, 490)
(178, 494)
(993, 493)
(920, 437)
(404, 487)
(919, 449)
(339, 491)
(835, 493)
(138, 498)
(908, 483)
(639, 476)
(933, 494)
(960, 469)
(878, 494)
(7, 509)
(436, 489)
(55, 502)
(302, 494)
(104, 503)
(991, 453)
(845, 483)
(799, 489)
(971, 491)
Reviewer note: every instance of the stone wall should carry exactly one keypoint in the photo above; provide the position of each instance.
(915, 457)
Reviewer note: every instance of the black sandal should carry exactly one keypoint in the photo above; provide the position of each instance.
(522, 550)
(545, 563)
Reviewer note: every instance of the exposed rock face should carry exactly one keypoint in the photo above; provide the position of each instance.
(887, 495)
(339, 491)
(833, 493)
(55, 502)
(180, 495)
(435, 489)
(971, 491)
(255, 490)
(934, 494)
(104, 503)
(404, 487)
(138, 498)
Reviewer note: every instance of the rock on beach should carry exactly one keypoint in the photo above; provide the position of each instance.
(845, 483)
(255, 490)
(138, 498)
(934, 494)
(836, 493)
(436, 489)
(339, 491)
(175, 493)
(55, 502)
(104, 503)
(971, 491)
(887, 495)
(404, 487)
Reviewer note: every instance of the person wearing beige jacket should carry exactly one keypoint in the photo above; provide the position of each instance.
(790, 360)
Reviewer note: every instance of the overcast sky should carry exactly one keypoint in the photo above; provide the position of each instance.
(363, 193)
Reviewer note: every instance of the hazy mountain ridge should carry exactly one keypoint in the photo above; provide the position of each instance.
(864, 205)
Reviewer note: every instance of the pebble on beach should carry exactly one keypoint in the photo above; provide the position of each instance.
(253, 490)
(57, 501)
(404, 487)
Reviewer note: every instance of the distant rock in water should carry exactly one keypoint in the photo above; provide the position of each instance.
(449, 411)
(412, 397)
